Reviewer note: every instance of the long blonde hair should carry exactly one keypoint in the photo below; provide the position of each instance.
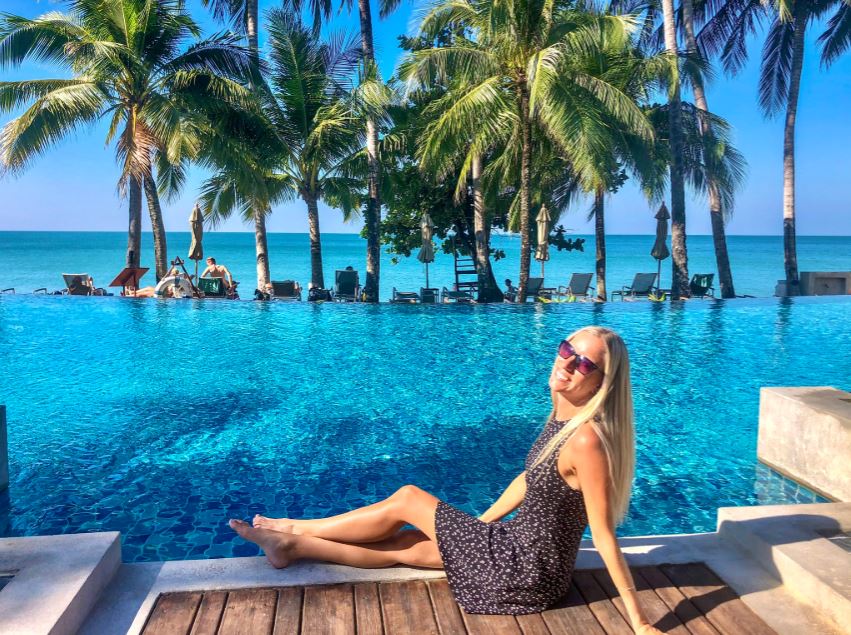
(609, 412)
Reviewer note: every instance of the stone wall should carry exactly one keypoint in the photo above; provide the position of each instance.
(805, 434)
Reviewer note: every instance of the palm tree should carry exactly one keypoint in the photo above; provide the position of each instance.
(725, 34)
(517, 73)
(716, 211)
(679, 253)
(300, 138)
(244, 16)
(125, 64)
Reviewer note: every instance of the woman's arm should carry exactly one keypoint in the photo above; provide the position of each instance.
(508, 502)
(592, 470)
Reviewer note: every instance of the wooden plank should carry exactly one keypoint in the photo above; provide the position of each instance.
(173, 614)
(406, 608)
(329, 610)
(210, 613)
(600, 604)
(655, 610)
(491, 624)
(446, 609)
(288, 613)
(667, 591)
(368, 609)
(249, 611)
(571, 616)
(532, 624)
(721, 606)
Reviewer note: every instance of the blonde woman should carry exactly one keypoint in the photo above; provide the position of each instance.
(578, 473)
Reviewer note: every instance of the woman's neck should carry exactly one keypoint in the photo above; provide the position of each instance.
(565, 409)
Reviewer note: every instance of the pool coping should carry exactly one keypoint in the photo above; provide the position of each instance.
(129, 599)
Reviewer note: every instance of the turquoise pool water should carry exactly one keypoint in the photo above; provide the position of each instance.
(164, 419)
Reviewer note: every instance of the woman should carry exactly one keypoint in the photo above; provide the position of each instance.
(578, 472)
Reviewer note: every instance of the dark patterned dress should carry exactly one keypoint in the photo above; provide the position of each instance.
(523, 565)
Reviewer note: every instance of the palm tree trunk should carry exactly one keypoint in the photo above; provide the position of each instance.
(316, 276)
(488, 289)
(262, 248)
(156, 213)
(373, 208)
(716, 215)
(600, 233)
(525, 183)
(260, 241)
(790, 255)
(679, 259)
(134, 231)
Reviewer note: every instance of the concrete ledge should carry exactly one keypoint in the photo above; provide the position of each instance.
(127, 603)
(805, 434)
(57, 580)
(791, 543)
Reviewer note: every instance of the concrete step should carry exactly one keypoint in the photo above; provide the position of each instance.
(802, 547)
(56, 580)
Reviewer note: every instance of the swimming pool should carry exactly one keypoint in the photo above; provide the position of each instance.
(164, 419)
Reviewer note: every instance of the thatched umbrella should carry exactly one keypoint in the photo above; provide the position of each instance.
(196, 226)
(542, 251)
(426, 254)
(660, 247)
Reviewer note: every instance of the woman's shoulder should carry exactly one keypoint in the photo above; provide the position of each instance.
(585, 440)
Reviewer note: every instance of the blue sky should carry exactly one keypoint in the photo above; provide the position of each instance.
(73, 187)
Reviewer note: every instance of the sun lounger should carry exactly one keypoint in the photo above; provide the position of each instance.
(80, 284)
(346, 285)
(701, 285)
(643, 285)
(212, 287)
(405, 297)
(456, 297)
(286, 290)
(429, 295)
(577, 287)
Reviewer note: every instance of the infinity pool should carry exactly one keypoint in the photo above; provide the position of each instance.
(163, 419)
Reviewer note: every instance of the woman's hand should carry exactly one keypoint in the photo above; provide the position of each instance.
(646, 629)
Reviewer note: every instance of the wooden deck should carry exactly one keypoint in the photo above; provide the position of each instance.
(679, 599)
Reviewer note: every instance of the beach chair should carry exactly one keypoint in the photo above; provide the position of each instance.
(212, 287)
(405, 297)
(429, 295)
(78, 284)
(534, 288)
(456, 297)
(642, 286)
(577, 286)
(286, 290)
(346, 285)
(701, 285)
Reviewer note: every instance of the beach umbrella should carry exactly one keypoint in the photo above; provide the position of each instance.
(426, 254)
(196, 226)
(542, 251)
(660, 247)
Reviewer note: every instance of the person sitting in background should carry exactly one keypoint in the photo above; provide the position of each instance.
(510, 291)
(218, 271)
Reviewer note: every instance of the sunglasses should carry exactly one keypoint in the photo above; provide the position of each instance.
(584, 365)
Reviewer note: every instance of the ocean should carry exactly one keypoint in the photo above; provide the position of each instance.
(31, 260)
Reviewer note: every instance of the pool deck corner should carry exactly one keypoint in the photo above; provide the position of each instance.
(55, 580)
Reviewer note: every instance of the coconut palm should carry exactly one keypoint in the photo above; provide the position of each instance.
(725, 34)
(243, 15)
(300, 137)
(717, 213)
(321, 10)
(126, 64)
(517, 72)
(679, 252)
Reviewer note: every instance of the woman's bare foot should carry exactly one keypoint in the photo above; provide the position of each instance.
(284, 525)
(277, 545)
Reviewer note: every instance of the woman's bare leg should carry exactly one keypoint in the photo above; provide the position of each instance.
(379, 521)
(411, 548)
